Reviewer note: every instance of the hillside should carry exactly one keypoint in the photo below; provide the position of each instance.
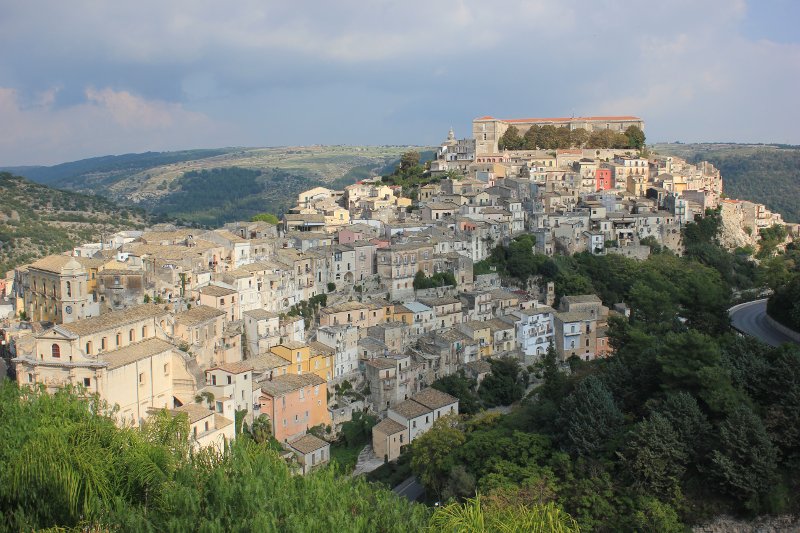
(36, 220)
(768, 174)
(215, 186)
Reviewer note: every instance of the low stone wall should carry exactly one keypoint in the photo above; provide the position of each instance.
(792, 334)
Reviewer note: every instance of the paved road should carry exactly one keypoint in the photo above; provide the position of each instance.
(411, 489)
(751, 318)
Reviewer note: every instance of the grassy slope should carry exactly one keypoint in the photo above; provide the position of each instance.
(768, 174)
(210, 187)
(36, 220)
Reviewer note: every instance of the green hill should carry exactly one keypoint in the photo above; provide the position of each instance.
(36, 220)
(210, 187)
(764, 173)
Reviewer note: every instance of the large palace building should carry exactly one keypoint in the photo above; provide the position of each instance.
(488, 130)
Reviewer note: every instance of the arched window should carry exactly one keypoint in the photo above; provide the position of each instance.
(130, 335)
(119, 339)
(89, 348)
(55, 350)
(144, 332)
(69, 289)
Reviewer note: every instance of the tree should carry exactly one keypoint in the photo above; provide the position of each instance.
(504, 385)
(358, 430)
(409, 160)
(656, 456)
(590, 417)
(266, 217)
(432, 456)
(463, 388)
(745, 461)
(510, 140)
(579, 137)
(635, 137)
(531, 138)
(261, 430)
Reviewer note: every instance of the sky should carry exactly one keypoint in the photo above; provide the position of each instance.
(88, 78)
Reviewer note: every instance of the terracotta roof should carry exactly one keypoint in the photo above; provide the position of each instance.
(55, 263)
(282, 385)
(197, 315)
(260, 314)
(216, 290)
(565, 119)
(479, 367)
(194, 411)
(134, 352)
(238, 367)
(308, 443)
(115, 319)
(267, 361)
(433, 399)
(382, 363)
(410, 409)
(387, 426)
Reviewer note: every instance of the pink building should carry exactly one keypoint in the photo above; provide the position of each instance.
(603, 179)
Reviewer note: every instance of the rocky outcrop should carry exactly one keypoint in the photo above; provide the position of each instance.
(770, 524)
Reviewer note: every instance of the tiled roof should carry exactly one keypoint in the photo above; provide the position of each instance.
(410, 409)
(433, 399)
(216, 290)
(194, 411)
(282, 385)
(382, 363)
(115, 319)
(267, 361)
(260, 314)
(197, 315)
(308, 443)
(238, 367)
(55, 263)
(387, 426)
(135, 352)
(581, 299)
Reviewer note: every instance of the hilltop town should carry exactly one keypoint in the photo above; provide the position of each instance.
(358, 300)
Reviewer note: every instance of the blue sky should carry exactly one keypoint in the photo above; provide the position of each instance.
(85, 78)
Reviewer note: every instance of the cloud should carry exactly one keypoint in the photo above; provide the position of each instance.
(107, 121)
(254, 72)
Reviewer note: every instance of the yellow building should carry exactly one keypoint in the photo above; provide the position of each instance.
(305, 360)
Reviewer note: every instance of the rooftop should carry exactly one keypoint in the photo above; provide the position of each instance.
(387, 426)
(197, 315)
(410, 409)
(216, 291)
(434, 399)
(135, 352)
(194, 411)
(308, 443)
(115, 319)
(282, 385)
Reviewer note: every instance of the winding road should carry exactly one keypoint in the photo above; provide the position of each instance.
(751, 319)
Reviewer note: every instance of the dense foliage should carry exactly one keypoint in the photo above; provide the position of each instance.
(64, 465)
(550, 137)
(213, 197)
(685, 422)
(504, 386)
(439, 279)
(36, 220)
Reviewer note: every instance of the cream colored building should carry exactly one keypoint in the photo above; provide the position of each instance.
(56, 289)
(123, 357)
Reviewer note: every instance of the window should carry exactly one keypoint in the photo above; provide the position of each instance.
(55, 350)
(219, 407)
(119, 339)
(206, 426)
(229, 380)
(141, 378)
(144, 332)
(69, 289)
(103, 342)
(89, 348)
(166, 369)
(87, 382)
(30, 378)
(213, 379)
